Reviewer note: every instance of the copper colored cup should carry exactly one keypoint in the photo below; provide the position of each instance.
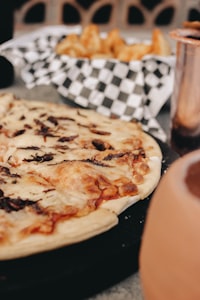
(185, 102)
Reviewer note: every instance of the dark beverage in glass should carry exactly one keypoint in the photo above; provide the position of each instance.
(183, 141)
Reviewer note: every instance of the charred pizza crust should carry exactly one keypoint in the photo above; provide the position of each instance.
(67, 173)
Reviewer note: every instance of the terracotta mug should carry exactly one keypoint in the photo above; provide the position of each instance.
(169, 260)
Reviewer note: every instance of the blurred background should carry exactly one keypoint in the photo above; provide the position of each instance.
(17, 16)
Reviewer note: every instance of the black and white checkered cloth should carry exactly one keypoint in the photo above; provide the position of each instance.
(135, 90)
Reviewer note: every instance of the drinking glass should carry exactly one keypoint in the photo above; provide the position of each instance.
(185, 102)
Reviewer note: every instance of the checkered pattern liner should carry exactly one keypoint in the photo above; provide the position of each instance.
(135, 90)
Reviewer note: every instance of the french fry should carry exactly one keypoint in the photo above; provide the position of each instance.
(72, 47)
(114, 41)
(160, 45)
(134, 52)
(90, 39)
(192, 24)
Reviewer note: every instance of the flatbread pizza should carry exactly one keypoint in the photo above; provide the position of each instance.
(67, 173)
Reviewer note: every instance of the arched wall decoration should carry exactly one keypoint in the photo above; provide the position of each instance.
(121, 13)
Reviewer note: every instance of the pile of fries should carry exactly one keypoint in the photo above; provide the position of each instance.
(90, 44)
